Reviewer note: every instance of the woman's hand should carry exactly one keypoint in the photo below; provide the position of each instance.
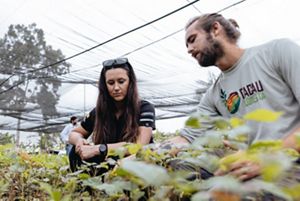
(242, 170)
(88, 151)
(80, 142)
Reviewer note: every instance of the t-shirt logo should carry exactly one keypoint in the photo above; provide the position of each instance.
(250, 94)
(232, 102)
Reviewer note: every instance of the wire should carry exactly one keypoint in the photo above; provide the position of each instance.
(195, 7)
(230, 6)
(112, 39)
(156, 41)
(169, 35)
(121, 35)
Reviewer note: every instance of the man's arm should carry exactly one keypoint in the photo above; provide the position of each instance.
(289, 67)
(205, 108)
(178, 140)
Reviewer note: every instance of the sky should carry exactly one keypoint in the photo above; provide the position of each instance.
(163, 67)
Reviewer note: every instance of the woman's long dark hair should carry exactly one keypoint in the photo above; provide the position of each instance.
(106, 109)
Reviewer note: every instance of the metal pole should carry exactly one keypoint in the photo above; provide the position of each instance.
(84, 91)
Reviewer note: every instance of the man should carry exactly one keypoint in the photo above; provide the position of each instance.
(64, 135)
(265, 76)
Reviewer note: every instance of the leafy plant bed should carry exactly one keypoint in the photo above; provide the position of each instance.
(161, 171)
(147, 177)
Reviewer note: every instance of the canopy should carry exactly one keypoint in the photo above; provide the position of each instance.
(151, 34)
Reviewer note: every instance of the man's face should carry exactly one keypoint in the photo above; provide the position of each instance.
(74, 122)
(202, 46)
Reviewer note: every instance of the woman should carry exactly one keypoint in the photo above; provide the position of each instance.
(119, 117)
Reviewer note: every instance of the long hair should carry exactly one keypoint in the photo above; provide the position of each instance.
(106, 109)
(206, 22)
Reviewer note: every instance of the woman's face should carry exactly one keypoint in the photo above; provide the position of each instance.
(117, 82)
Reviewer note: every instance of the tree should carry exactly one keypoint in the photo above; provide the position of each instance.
(29, 81)
(6, 138)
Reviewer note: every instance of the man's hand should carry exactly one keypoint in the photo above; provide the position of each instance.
(242, 170)
(229, 145)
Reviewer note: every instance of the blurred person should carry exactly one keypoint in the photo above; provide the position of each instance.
(119, 117)
(64, 135)
(264, 76)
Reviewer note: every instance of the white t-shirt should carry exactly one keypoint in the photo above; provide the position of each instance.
(265, 77)
(64, 135)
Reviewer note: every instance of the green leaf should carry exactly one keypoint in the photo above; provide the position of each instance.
(110, 189)
(83, 176)
(113, 188)
(236, 122)
(222, 124)
(201, 196)
(263, 115)
(67, 198)
(239, 134)
(224, 183)
(70, 185)
(204, 160)
(293, 191)
(46, 187)
(136, 194)
(209, 162)
(211, 139)
(133, 148)
(92, 182)
(3, 186)
(151, 174)
(185, 187)
(56, 195)
(193, 122)
(292, 153)
(120, 152)
(162, 193)
(274, 165)
(121, 172)
(271, 172)
(258, 184)
(226, 161)
(266, 144)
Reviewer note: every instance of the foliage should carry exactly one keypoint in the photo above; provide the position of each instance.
(25, 85)
(6, 138)
(161, 136)
(50, 141)
(150, 174)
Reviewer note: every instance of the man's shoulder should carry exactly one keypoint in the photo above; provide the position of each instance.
(69, 125)
(66, 128)
(215, 86)
(278, 43)
(270, 49)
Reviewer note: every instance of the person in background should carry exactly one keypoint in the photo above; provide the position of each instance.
(264, 76)
(64, 135)
(119, 117)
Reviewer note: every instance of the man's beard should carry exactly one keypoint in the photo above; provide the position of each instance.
(211, 53)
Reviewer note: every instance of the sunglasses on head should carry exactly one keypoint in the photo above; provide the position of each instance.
(114, 62)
